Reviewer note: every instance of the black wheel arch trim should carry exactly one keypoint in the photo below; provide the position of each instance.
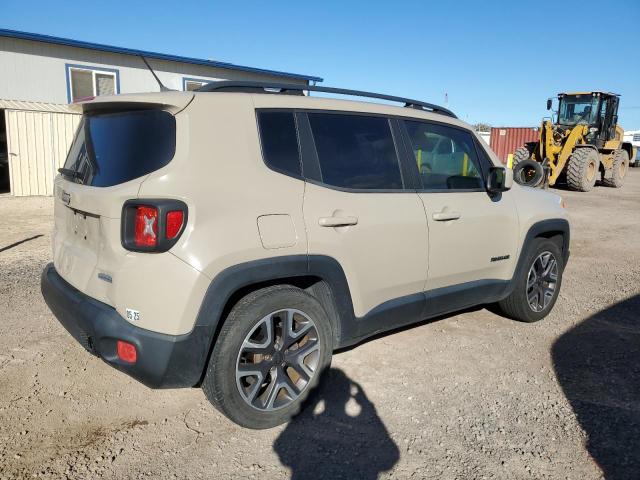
(267, 271)
(541, 229)
(240, 276)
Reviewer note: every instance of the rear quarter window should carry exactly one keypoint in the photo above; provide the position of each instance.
(279, 139)
(114, 148)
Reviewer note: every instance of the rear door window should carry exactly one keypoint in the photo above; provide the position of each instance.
(114, 148)
(356, 151)
(445, 156)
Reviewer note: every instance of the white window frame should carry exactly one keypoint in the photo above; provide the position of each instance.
(200, 81)
(94, 71)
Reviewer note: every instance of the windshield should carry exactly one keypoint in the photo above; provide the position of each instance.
(578, 109)
(114, 148)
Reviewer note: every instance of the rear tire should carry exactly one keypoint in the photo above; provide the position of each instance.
(582, 169)
(534, 286)
(253, 377)
(619, 169)
(520, 155)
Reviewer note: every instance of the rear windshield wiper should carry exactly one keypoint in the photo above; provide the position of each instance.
(68, 172)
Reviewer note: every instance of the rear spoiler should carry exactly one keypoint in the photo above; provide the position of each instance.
(173, 102)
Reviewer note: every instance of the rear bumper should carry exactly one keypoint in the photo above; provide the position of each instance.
(163, 361)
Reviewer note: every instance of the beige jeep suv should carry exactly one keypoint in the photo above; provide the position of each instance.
(233, 237)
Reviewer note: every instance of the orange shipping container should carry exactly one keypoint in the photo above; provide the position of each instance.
(506, 140)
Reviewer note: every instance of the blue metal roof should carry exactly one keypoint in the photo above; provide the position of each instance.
(36, 37)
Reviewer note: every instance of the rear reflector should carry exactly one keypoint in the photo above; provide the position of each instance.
(174, 223)
(146, 226)
(127, 351)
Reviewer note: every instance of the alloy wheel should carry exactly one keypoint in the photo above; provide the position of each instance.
(278, 359)
(542, 281)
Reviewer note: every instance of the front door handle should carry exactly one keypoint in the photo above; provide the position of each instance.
(337, 221)
(446, 215)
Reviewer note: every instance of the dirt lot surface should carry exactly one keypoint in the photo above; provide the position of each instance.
(468, 396)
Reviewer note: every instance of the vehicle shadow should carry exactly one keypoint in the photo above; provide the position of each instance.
(338, 435)
(598, 366)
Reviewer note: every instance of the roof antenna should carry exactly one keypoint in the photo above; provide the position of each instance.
(162, 87)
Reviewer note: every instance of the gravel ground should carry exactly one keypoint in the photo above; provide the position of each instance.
(468, 396)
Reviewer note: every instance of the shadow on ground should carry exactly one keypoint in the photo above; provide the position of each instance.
(338, 435)
(598, 367)
(15, 244)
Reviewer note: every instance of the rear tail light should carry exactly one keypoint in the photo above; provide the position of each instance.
(146, 227)
(126, 351)
(152, 225)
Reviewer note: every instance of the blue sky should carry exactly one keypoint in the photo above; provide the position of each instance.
(497, 61)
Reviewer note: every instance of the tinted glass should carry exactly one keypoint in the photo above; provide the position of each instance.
(445, 156)
(484, 160)
(279, 141)
(118, 147)
(356, 151)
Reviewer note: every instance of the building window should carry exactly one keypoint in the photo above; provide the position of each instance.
(191, 84)
(83, 82)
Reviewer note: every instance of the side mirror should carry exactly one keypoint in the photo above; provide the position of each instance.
(499, 179)
(549, 103)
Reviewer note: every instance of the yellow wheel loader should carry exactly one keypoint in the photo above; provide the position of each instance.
(583, 145)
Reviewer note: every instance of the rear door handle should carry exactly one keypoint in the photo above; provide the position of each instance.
(337, 221)
(446, 215)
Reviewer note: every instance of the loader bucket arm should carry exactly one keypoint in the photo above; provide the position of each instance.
(558, 156)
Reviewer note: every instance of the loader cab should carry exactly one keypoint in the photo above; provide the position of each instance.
(608, 116)
(597, 110)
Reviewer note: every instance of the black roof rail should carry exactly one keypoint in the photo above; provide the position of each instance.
(293, 89)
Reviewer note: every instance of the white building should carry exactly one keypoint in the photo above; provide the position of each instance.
(486, 136)
(633, 137)
(41, 75)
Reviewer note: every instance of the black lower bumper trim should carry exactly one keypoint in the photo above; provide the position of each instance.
(164, 361)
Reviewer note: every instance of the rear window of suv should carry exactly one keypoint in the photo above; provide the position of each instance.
(114, 148)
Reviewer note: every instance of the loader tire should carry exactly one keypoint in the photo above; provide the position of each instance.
(582, 169)
(528, 173)
(520, 155)
(620, 167)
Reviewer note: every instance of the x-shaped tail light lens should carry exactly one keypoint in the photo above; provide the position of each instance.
(146, 226)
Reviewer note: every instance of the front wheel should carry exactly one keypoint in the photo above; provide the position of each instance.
(537, 286)
(269, 355)
(582, 169)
